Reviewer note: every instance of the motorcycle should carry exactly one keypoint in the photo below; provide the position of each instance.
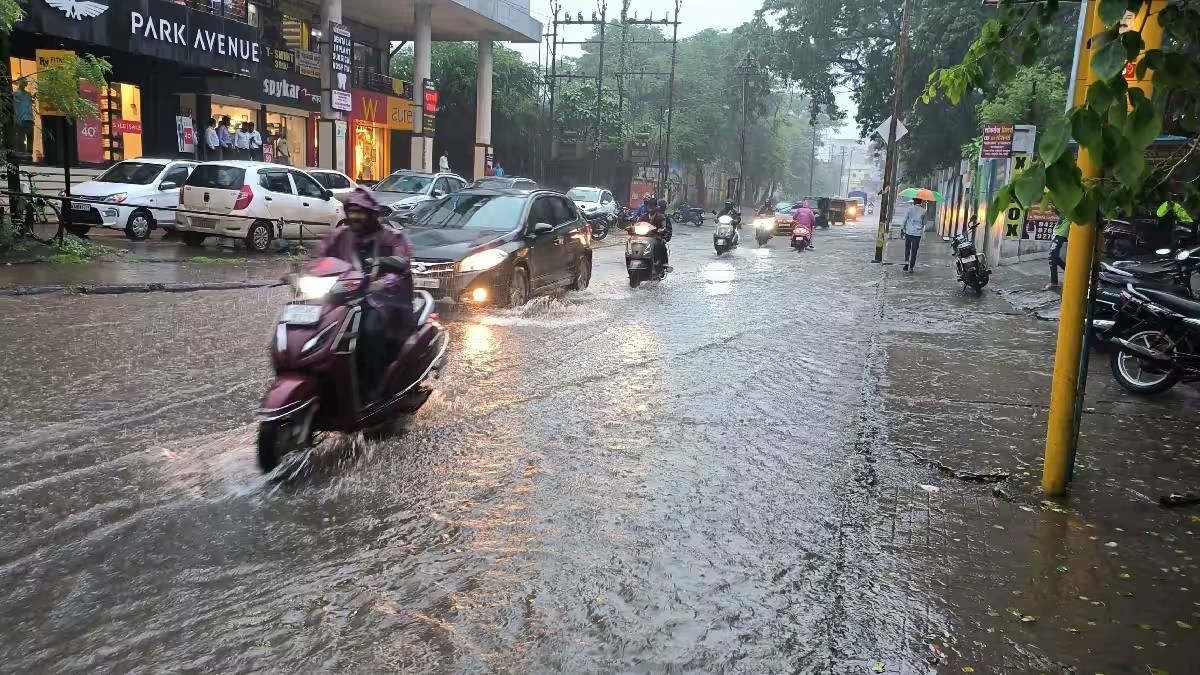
(764, 229)
(1160, 350)
(600, 222)
(801, 236)
(725, 237)
(317, 370)
(688, 214)
(971, 265)
(1123, 238)
(640, 260)
(625, 216)
(1171, 275)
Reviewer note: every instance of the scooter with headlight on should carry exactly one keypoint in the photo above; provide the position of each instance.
(318, 380)
(640, 259)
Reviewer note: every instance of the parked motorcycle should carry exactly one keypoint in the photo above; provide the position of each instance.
(688, 214)
(317, 386)
(640, 261)
(971, 265)
(1163, 335)
(601, 222)
(725, 237)
(625, 216)
(764, 229)
(1172, 274)
(801, 236)
(1124, 238)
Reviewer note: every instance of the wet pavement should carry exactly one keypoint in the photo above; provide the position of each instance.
(729, 471)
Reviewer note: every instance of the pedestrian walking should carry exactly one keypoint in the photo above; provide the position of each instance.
(256, 143)
(1058, 258)
(283, 154)
(499, 170)
(212, 142)
(914, 227)
(225, 138)
(242, 142)
(444, 163)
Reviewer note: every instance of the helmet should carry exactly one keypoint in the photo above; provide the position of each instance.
(362, 199)
(662, 204)
(728, 202)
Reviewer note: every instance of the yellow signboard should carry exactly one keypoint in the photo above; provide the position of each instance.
(399, 114)
(46, 60)
(1014, 215)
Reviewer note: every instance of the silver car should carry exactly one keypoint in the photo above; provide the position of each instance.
(405, 191)
(335, 181)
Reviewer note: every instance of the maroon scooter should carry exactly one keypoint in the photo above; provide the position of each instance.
(317, 385)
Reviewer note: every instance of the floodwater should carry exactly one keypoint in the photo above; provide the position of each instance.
(681, 477)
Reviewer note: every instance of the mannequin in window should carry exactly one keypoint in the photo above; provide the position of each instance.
(282, 154)
(23, 109)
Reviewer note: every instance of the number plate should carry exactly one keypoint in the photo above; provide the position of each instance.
(81, 206)
(637, 264)
(967, 258)
(721, 241)
(426, 282)
(207, 223)
(301, 315)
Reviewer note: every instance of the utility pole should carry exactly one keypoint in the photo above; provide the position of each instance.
(849, 169)
(888, 199)
(744, 70)
(671, 103)
(812, 160)
(841, 167)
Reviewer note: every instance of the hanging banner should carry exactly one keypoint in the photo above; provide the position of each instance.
(185, 134)
(341, 66)
(88, 139)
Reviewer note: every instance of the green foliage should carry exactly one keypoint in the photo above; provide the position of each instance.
(1115, 124)
(1035, 95)
(72, 249)
(58, 86)
(10, 14)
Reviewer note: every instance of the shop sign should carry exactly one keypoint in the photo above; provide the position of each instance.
(88, 136)
(269, 86)
(1014, 215)
(279, 59)
(120, 126)
(429, 106)
(48, 59)
(1040, 223)
(185, 134)
(157, 28)
(369, 107)
(400, 114)
(292, 91)
(308, 63)
(997, 141)
(341, 63)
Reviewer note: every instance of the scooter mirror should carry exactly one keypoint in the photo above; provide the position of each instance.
(1163, 251)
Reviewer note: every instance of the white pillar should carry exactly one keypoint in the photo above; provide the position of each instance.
(483, 108)
(328, 154)
(422, 146)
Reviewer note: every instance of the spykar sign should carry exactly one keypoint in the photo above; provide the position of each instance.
(156, 28)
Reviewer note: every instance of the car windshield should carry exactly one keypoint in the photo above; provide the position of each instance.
(584, 195)
(475, 211)
(408, 183)
(785, 206)
(132, 173)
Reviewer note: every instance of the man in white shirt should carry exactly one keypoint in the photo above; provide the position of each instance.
(444, 163)
(212, 142)
(255, 143)
(241, 142)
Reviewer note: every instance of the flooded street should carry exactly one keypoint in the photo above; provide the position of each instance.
(681, 477)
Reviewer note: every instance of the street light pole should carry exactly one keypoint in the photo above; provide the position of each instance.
(744, 69)
(889, 168)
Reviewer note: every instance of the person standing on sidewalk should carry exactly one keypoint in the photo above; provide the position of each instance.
(212, 142)
(1057, 257)
(225, 138)
(913, 229)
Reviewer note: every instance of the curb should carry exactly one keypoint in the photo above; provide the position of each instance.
(122, 289)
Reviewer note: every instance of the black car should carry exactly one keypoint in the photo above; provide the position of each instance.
(500, 246)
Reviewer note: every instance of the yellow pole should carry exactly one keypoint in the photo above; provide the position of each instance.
(1060, 434)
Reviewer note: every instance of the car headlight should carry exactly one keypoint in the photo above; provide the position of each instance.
(484, 260)
(117, 198)
(311, 288)
(401, 206)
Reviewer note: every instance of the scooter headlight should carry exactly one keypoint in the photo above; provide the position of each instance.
(643, 229)
(312, 288)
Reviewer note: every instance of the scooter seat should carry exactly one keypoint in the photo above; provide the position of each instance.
(1184, 306)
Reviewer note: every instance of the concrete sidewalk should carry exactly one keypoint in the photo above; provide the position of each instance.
(1105, 580)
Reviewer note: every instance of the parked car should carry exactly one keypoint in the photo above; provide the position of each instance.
(335, 181)
(505, 183)
(137, 196)
(593, 201)
(255, 202)
(500, 246)
(405, 190)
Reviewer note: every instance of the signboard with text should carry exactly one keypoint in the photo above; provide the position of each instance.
(185, 134)
(1014, 215)
(341, 65)
(429, 106)
(1040, 224)
(997, 141)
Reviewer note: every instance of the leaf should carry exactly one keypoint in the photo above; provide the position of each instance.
(1028, 619)
(1128, 164)
(1054, 141)
(1157, 671)
(1100, 97)
(1112, 11)
(1133, 44)
(1063, 179)
(1063, 568)
(1003, 198)
(1086, 127)
(1030, 185)
(878, 667)
(968, 669)
(1143, 126)
(1110, 60)
(1184, 625)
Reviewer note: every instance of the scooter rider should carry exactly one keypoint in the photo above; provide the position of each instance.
(643, 212)
(805, 216)
(766, 208)
(732, 212)
(388, 313)
(662, 223)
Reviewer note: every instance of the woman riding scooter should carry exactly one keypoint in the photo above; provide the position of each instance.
(388, 316)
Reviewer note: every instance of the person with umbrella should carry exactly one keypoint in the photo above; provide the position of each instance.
(914, 223)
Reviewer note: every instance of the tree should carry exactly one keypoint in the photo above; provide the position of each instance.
(1035, 95)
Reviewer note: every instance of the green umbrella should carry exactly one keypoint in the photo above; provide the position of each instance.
(924, 194)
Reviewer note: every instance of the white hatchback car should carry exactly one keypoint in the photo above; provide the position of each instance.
(334, 181)
(134, 196)
(593, 201)
(255, 202)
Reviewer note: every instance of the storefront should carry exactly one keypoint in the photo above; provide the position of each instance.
(378, 124)
(150, 45)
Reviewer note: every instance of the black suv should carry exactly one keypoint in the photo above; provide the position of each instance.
(500, 246)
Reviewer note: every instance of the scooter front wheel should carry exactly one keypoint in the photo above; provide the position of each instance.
(279, 438)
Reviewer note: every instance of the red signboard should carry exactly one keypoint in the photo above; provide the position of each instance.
(368, 106)
(431, 102)
(88, 136)
(997, 141)
(126, 126)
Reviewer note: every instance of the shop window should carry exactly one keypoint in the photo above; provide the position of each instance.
(288, 135)
(29, 122)
(370, 152)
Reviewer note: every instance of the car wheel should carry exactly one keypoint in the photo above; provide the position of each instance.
(518, 287)
(258, 238)
(583, 273)
(139, 225)
(193, 239)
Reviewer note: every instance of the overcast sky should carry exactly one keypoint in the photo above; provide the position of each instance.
(694, 16)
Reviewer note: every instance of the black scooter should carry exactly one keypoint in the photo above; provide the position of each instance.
(640, 260)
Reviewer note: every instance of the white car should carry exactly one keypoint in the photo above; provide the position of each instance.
(134, 196)
(255, 202)
(335, 181)
(593, 201)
